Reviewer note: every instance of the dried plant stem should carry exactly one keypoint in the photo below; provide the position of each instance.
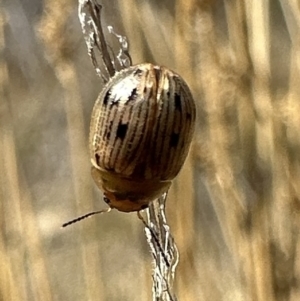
(89, 13)
(163, 249)
(161, 242)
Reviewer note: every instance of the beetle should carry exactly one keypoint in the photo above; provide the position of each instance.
(141, 130)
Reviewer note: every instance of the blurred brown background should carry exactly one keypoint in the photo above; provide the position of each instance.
(234, 209)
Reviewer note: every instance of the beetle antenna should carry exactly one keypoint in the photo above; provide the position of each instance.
(79, 218)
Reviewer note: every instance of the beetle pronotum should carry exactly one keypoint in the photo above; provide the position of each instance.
(140, 133)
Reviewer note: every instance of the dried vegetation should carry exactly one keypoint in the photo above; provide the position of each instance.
(234, 209)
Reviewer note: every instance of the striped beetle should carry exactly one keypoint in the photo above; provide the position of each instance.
(141, 129)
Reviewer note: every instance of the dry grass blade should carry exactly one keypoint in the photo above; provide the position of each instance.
(163, 249)
(234, 208)
(89, 13)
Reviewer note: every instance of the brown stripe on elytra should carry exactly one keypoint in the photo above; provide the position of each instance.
(157, 74)
(188, 109)
(110, 111)
(117, 131)
(136, 140)
(115, 158)
(179, 131)
(115, 142)
(108, 121)
(158, 78)
(158, 136)
(168, 124)
(121, 155)
(165, 157)
(149, 106)
(143, 162)
(142, 148)
(110, 114)
(190, 114)
(177, 151)
(96, 117)
(108, 143)
(132, 122)
(178, 99)
(106, 111)
(175, 124)
(98, 127)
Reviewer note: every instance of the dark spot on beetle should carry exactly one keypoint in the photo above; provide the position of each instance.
(188, 116)
(106, 98)
(168, 94)
(145, 206)
(177, 102)
(138, 72)
(157, 74)
(174, 140)
(97, 157)
(132, 95)
(122, 130)
(145, 90)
